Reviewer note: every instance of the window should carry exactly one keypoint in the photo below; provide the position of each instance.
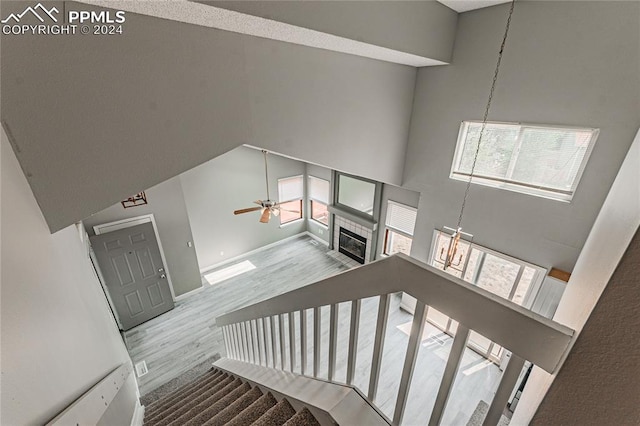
(543, 161)
(506, 276)
(498, 273)
(319, 199)
(356, 193)
(398, 234)
(290, 194)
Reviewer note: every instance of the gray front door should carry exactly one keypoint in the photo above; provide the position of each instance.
(132, 268)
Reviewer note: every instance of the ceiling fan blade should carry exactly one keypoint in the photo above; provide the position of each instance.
(247, 210)
(258, 202)
(290, 211)
(266, 215)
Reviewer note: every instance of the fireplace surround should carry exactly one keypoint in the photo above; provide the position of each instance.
(352, 245)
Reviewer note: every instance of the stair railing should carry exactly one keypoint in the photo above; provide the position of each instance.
(527, 335)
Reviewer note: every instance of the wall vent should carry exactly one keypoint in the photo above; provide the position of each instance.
(141, 368)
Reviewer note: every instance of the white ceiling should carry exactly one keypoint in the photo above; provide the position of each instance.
(467, 5)
(228, 20)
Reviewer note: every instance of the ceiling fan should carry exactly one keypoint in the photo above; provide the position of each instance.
(268, 206)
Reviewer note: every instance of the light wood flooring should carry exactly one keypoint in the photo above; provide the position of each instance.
(184, 337)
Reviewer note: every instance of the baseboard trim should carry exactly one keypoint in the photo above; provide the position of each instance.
(254, 251)
(318, 239)
(189, 293)
(138, 415)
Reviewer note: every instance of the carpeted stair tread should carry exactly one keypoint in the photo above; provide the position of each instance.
(215, 394)
(302, 418)
(188, 399)
(254, 411)
(207, 409)
(225, 416)
(277, 415)
(217, 382)
(217, 398)
(152, 409)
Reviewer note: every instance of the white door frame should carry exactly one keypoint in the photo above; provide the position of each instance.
(104, 228)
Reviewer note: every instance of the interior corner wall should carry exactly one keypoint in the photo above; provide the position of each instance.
(599, 383)
(117, 114)
(58, 335)
(565, 63)
(166, 203)
(610, 236)
(212, 191)
(313, 226)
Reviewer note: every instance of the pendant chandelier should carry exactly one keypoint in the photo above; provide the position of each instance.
(452, 258)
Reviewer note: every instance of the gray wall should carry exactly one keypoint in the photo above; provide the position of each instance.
(166, 203)
(58, 335)
(423, 28)
(399, 195)
(599, 382)
(212, 191)
(96, 118)
(314, 227)
(567, 63)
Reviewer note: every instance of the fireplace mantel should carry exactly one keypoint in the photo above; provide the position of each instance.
(367, 223)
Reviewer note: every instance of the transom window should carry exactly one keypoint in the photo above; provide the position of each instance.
(400, 223)
(319, 199)
(290, 194)
(545, 161)
(506, 276)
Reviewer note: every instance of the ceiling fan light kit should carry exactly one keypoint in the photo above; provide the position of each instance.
(267, 207)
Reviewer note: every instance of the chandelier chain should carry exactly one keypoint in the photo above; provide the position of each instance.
(486, 113)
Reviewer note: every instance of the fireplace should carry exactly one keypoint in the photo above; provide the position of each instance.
(352, 245)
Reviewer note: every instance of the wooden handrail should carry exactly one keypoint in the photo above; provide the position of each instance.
(525, 333)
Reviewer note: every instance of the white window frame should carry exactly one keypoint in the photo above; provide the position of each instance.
(388, 227)
(518, 186)
(301, 199)
(535, 285)
(311, 199)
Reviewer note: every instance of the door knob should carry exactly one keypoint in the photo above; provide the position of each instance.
(161, 270)
(163, 276)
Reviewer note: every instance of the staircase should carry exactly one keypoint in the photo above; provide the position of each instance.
(220, 398)
(297, 333)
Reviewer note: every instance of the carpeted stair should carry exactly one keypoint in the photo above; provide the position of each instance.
(217, 398)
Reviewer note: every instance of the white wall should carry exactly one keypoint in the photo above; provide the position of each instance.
(58, 336)
(230, 182)
(612, 231)
(566, 63)
(599, 383)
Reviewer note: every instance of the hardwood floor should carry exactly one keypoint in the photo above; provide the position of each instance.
(184, 337)
(187, 335)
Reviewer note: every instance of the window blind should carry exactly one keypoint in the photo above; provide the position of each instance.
(401, 217)
(319, 189)
(532, 159)
(290, 189)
